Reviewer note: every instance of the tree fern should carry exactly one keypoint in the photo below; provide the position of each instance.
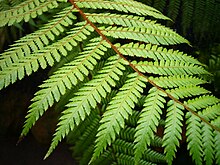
(117, 80)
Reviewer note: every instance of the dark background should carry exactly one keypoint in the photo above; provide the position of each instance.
(14, 102)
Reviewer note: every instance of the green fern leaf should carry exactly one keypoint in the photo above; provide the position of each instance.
(187, 14)
(173, 9)
(187, 91)
(87, 98)
(125, 6)
(118, 110)
(172, 132)
(50, 53)
(168, 68)
(128, 134)
(194, 137)
(26, 10)
(127, 159)
(202, 102)
(148, 122)
(160, 34)
(199, 14)
(159, 4)
(37, 40)
(208, 143)
(154, 52)
(176, 81)
(121, 146)
(102, 61)
(217, 146)
(65, 77)
(143, 34)
(211, 112)
(87, 138)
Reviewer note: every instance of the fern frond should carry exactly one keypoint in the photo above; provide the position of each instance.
(127, 159)
(121, 146)
(176, 81)
(187, 14)
(217, 146)
(172, 132)
(64, 78)
(87, 156)
(187, 91)
(173, 9)
(87, 138)
(159, 4)
(87, 98)
(201, 140)
(199, 13)
(128, 134)
(126, 6)
(37, 40)
(26, 10)
(148, 122)
(143, 34)
(110, 51)
(202, 102)
(159, 32)
(208, 144)
(194, 137)
(76, 133)
(155, 52)
(211, 112)
(47, 56)
(118, 110)
(168, 68)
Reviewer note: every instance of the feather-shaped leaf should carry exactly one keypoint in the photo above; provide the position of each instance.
(44, 57)
(155, 52)
(126, 6)
(169, 68)
(176, 81)
(107, 76)
(37, 40)
(217, 146)
(211, 112)
(202, 102)
(194, 137)
(121, 146)
(118, 110)
(26, 10)
(64, 78)
(148, 122)
(172, 132)
(187, 91)
(208, 143)
(143, 34)
(87, 98)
